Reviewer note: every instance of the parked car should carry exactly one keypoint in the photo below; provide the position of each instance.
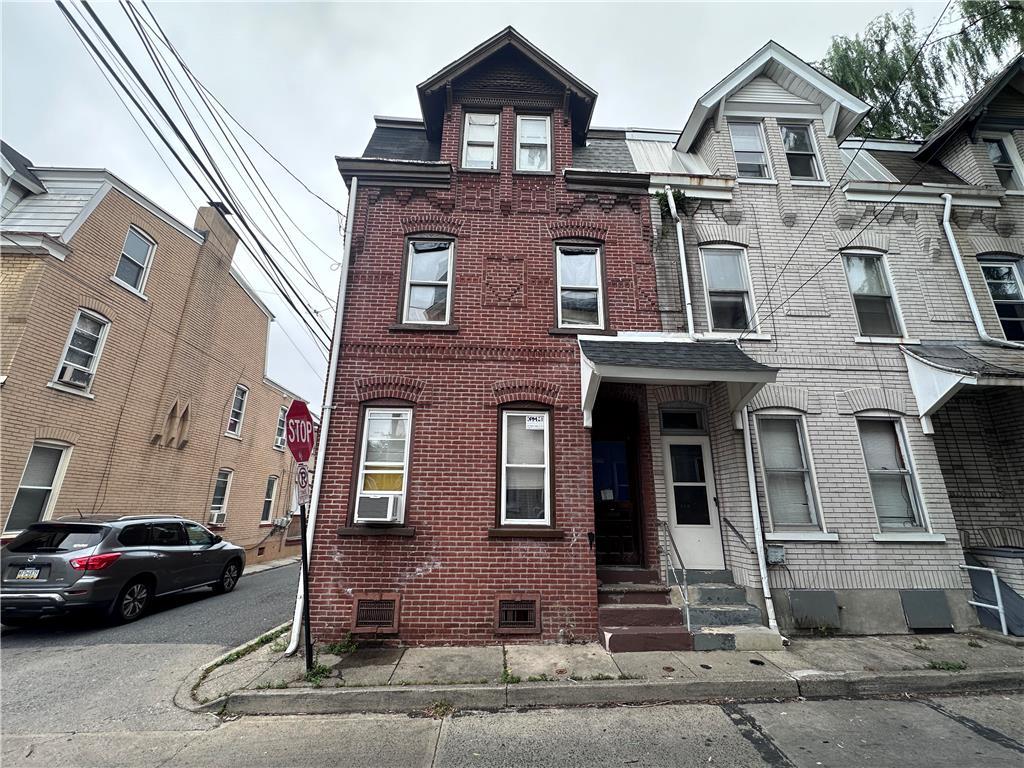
(117, 564)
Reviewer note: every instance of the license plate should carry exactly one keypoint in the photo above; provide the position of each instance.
(27, 573)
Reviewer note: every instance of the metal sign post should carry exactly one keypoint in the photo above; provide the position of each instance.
(299, 434)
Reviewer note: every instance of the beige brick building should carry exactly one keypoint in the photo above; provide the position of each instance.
(133, 364)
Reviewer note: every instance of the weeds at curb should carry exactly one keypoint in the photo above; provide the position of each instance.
(340, 648)
(947, 666)
(439, 710)
(317, 674)
(237, 654)
(507, 678)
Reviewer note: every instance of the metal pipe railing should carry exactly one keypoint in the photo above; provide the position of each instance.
(739, 535)
(999, 595)
(682, 567)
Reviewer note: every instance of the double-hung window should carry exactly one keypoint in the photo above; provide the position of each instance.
(893, 487)
(40, 482)
(82, 351)
(1006, 286)
(219, 502)
(533, 143)
(800, 155)
(872, 295)
(480, 141)
(136, 255)
(787, 472)
(282, 417)
(428, 282)
(728, 289)
(748, 145)
(580, 300)
(383, 465)
(525, 468)
(1002, 161)
(237, 411)
(269, 498)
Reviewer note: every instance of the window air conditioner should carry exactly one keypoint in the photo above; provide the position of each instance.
(378, 509)
(71, 376)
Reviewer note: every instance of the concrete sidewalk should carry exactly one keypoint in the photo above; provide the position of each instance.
(495, 677)
(270, 565)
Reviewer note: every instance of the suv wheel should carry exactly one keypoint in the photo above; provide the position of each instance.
(228, 578)
(132, 602)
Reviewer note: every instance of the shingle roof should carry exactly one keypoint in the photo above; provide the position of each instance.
(604, 155)
(907, 170)
(21, 163)
(976, 359)
(699, 355)
(392, 143)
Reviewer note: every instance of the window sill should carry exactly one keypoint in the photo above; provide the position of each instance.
(129, 288)
(484, 171)
(885, 340)
(217, 526)
(525, 532)
(732, 336)
(70, 390)
(801, 536)
(517, 172)
(918, 537)
(266, 524)
(413, 327)
(1015, 192)
(809, 183)
(233, 436)
(577, 330)
(764, 182)
(376, 530)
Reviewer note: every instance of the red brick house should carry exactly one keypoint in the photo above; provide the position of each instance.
(488, 447)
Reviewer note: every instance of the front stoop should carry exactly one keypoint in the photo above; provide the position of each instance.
(635, 613)
(721, 619)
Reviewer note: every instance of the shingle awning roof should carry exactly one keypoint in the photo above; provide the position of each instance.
(661, 360)
(938, 371)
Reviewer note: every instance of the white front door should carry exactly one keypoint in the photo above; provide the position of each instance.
(692, 513)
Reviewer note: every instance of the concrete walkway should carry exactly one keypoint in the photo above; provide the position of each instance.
(495, 677)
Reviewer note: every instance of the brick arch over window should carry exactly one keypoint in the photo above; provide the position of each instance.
(682, 393)
(994, 247)
(382, 387)
(97, 307)
(67, 436)
(431, 223)
(781, 396)
(524, 390)
(709, 234)
(871, 399)
(871, 241)
(577, 229)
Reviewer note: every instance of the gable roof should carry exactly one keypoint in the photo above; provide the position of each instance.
(974, 109)
(843, 110)
(432, 90)
(19, 167)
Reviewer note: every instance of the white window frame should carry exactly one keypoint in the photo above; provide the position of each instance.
(1016, 268)
(282, 419)
(267, 513)
(917, 498)
(55, 486)
(505, 414)
(466, 142)
(1011, 152)
(599, 271)
(401, 494)
(237, 431)
(223, 511)
(520, 143)
(901, 328)
(409, 282)
(140, 290)
(753, 325)
(819, 167)
(810, 476)
(770, 178)
(84, 391)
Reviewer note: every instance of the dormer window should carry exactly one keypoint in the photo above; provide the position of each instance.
(749, 147)
(533, 143)
(1003, 163)
(800, 155)
(480, 141)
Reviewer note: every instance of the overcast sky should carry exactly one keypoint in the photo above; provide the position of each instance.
(307, 78)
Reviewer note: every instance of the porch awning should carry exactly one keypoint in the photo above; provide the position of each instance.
(655, 360)
(939, 370)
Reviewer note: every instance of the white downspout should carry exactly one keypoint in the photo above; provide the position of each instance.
(961, 270)
(325, 414)
(755, 509)
(683, 271)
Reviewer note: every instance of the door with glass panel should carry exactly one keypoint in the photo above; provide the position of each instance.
(692, 512)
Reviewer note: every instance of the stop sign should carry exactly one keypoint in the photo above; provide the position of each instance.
(299, 430)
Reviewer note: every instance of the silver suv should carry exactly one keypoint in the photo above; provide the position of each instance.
(116, 564)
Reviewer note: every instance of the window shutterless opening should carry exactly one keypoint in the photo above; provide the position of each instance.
(82, 351)
(40, 483)
(533, 143)
(1005, 281)
(427, 292)
(269, 498)
(749, 149)
(383, 466)
(525, 468)
(872, 294)
(237, 412)
(801, 156)
(134, 262)
(727, 289)
(219, 502)
(999, 153)
(579, 286)
(894, 488)
(480, 140)
(786, 464)
(282, 418)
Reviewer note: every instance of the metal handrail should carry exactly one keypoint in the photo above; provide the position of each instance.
(998, 592)
(739, 535)
(682, 567)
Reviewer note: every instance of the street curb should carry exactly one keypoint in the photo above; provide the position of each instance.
(385, 699)
(264, 567)
(183, 696)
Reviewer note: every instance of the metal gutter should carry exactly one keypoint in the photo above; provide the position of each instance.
(762, 565)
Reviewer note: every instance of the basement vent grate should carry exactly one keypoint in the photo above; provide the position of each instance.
(376, 613)
(518, 614)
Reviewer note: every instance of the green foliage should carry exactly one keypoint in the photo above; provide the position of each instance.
(439, 710)
(508, 678)
(951, 67)
(317, 674)
(342, 647)
(948, 666)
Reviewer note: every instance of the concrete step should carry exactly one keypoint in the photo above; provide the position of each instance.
(620, 639)
(722, 615)
(625, 575)
(737, 638)
(639, 614)
(703, 576)
(632, 594)
(717, 594)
